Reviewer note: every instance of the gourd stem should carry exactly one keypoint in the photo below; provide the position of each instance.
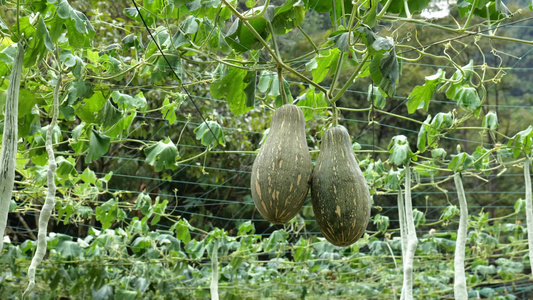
(280, 69)
(529, 208)
(335, 114)
(412, 241)
(214, 271)
(50, 200)
(459, 287)
(284, 99)
(8, 153)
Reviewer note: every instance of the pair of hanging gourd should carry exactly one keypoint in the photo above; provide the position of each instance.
(282, 173)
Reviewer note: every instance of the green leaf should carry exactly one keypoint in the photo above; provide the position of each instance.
(27, 102)
(422, 94)
(398, 7)
(288, 16)
(249, 89)
(109, 212)
(382, 222)
(438, 154)
(400, 151)
(42, 33)
(418, 217)
(323, 63)
(65, 167)
(126, 101)
(460, 162)
(459, 78)
(487, 9)
(246, 228)
(490, 121)
(520, 206)
(88, 176)
(241, 39)
(322, 6)
(467, 97)
(189, 26)
(69, 250)
(12, 205)
(478, 154)
(390, 72)
(162, 155)
(312, 100)
(368, 36)
(522, 141)
(381, 43)
(169, 108)
(79, 29)
(122, 294)
(79, 90)
(182, 231)
(340, 38)
(232, 86)
(72, 61)
(210, 134)
(109, 115)
(379, 99)
(449, 212)
(89, 109)
(98, 145)
(421, 141)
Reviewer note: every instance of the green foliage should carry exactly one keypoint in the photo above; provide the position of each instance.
(421, 95)
(148, 229)
(162, 155)
(232, 86)
(210, 134)
(400, 150)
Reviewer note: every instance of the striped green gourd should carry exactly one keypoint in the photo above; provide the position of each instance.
(282, 169)
(339, 192)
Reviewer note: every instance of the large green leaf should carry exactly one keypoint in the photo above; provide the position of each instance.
(289, 15)
(162, 155)
(522, 141)
(460, 162)
(400, 150)
(385, 71)
(89, 109)
(310, 102)
(324, 62)
(326, 6)
(125, 101)
(468, 98)
(98, 145)
(398, 6)
(487, 9)
(79, 29)
(232, 86)
(490, 121)
(421, 95)
(210, 134)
